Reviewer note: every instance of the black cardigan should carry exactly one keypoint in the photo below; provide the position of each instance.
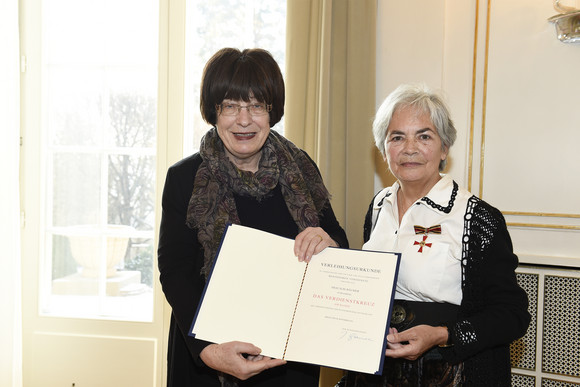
(180, 259)
(494, 308)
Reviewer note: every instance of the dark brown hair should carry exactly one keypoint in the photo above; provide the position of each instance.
(234, 74)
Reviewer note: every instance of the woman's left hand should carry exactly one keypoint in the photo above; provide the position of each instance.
(311, 241)
(414, 342)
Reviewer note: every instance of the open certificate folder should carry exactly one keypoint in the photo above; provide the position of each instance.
(333, 311)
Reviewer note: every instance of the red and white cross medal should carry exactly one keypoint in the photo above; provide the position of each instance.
(425, 230)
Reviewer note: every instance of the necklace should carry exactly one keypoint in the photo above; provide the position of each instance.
(451, 200)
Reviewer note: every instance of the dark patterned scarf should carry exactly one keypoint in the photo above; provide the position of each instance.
(212, 204)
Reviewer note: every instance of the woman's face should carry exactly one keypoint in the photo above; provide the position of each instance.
(413, 148)
(243, 135)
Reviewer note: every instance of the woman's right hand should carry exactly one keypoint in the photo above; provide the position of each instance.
(311, 241)
(414, 342)
(229, 358)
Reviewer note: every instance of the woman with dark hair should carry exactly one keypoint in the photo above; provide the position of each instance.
(457, 304)
(245, 174)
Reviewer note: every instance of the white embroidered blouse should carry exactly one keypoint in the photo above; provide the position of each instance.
(430, 267)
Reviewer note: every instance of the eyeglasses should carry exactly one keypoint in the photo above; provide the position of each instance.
(233, 109)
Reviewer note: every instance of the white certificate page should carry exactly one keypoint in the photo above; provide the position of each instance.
(342, 318)
(332, 312)
(252, 291)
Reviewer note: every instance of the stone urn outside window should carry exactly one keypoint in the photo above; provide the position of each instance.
(87, 243)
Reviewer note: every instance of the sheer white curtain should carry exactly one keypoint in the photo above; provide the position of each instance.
(10, 300)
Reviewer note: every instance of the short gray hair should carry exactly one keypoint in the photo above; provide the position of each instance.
(422, 98)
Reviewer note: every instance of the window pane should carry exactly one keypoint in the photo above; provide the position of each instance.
(99, 126)
(67, 105)
(212, 25)
(131, 197)
(74, 203)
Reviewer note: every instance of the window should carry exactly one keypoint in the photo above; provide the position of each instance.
(98, 132)
(213, 25)
(99, 103)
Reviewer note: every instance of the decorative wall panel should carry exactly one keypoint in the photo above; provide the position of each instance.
(523, 381)
(557, 383)
(523, 351)
(561, 333)
(93, 361)
(549, 354)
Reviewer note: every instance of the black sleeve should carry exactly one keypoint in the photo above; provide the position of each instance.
(368, 224)
(497, 307)
(180, 255)
(329, 223)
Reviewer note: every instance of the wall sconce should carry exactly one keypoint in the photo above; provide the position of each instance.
(567, 23)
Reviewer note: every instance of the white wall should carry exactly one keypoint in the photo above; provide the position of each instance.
(512, 87)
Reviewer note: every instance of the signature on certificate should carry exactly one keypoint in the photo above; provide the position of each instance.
(350, 335)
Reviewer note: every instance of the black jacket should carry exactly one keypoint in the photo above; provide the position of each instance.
(180, 259)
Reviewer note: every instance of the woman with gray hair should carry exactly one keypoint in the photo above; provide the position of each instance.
(458, 305)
